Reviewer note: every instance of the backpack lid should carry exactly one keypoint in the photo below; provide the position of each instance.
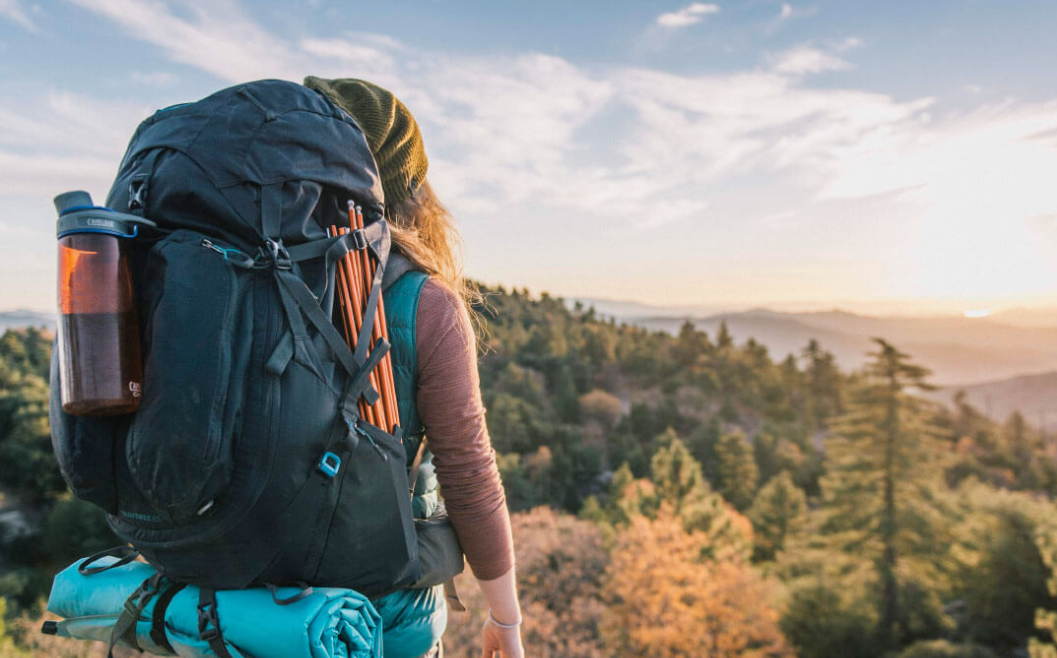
(240, 150)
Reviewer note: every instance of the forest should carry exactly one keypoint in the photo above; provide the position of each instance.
(681, 496)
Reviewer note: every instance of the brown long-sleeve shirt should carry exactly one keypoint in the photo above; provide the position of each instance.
(449, 404)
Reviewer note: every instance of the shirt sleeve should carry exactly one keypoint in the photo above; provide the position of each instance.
(449, 404)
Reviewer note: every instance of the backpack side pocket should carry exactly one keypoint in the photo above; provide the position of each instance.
(181, 445)
(439, 551)
(84, 447)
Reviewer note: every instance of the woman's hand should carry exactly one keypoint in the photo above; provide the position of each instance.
(502, 630)
(502, 639)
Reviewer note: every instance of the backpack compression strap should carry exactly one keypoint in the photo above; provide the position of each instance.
(298, 299)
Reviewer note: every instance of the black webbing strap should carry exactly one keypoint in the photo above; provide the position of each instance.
(125, 626)
(209, 622)
(157, 618)
(416, 464)
(332, 247)
(305, 590)
(307, 304)
(297, 322)
(124, 553)
(452, 595)
(361, 383)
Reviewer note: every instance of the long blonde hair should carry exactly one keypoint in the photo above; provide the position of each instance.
(424, 232)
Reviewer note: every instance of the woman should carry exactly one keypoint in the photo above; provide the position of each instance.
(448, 393)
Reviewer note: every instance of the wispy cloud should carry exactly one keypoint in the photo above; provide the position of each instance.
(60, 139)
(506, 132)
(847, 43)
(13, 11)
(218, 37)
(155, 79)
(805, 59)
(786, 11)
(688, 15)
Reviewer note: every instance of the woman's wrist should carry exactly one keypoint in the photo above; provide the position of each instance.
(501, 597)
(504, 625)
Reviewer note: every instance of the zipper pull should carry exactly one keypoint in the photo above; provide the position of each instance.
(367, 436)
(355, 428)
(240, 259)
(209, 245)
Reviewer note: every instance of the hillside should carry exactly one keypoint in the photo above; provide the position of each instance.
(1034, 396)
(691, 468)
(959, 351)
(20, 318)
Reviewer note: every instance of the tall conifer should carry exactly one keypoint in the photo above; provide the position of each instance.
(880, 468)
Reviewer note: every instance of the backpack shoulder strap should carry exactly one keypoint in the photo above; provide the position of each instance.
(397, 267)
(401, 311)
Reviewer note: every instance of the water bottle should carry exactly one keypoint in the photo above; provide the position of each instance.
(100, 367)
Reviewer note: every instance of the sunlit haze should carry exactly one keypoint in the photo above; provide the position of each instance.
(877, 157)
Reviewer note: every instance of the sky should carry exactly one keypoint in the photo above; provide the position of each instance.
(895, 157)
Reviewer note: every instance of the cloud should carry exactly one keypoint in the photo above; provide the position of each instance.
(688, 15)
(12, 10)
(785, 12)
(846, 44)
(805, 59)
(155, 79)
(218, 37)
(534, 138)
(59, 140)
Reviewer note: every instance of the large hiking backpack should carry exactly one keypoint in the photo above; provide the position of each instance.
(220, 478)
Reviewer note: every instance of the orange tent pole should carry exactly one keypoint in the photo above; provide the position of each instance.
(378, 331)
(343, 277)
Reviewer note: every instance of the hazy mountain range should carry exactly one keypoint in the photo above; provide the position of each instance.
(23, 318)
(1005, 361)
(1001, 364)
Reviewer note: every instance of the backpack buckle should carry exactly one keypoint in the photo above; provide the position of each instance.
(208, 621)
(359, 239)
(273, 253)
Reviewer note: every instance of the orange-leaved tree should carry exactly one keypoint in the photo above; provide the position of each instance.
(666, 598)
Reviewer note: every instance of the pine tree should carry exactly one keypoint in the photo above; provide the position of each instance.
(876, 493)
(737, 472)
(823, 383)
(1046, 619)
(778, 508)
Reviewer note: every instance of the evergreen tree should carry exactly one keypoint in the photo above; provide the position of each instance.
(777, 510)
(690, 345)
(1045, 644)
(675, 473)
(877, 490)
(26, 459)
(736, 472)
(823, 384)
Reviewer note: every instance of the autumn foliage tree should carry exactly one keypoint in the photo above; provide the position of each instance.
(561, 563)
(667, 599)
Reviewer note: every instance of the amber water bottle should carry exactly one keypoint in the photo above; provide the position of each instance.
(100, 368)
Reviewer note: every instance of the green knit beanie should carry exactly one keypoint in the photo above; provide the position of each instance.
(391, 131)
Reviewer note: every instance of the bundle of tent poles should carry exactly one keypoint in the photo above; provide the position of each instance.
(354, 277)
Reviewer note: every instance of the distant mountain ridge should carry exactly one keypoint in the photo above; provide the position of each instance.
(1001, 366)
(1034, 396)
(958, 350)
(20, 318)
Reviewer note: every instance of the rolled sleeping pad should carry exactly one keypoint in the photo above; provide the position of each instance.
(327, 623)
